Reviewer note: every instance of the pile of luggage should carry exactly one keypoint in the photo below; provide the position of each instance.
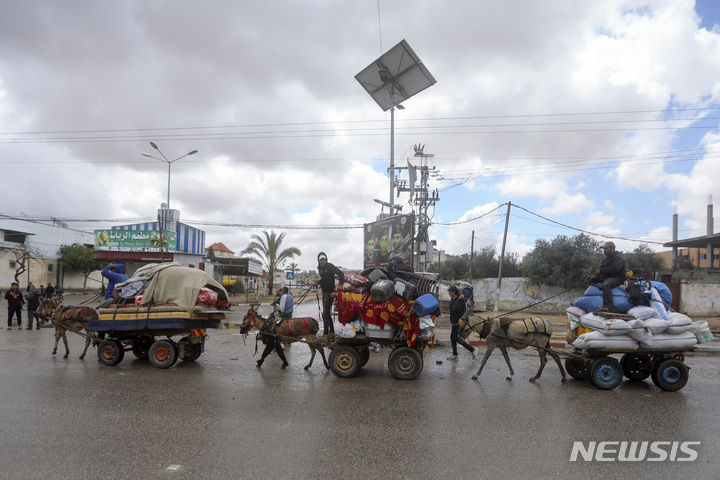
(385, 304)
(640, 321)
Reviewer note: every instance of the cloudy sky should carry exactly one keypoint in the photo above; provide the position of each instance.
(603, 116)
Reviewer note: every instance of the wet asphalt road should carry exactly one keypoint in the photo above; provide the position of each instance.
(221, 417)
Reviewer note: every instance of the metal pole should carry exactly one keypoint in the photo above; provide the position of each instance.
(392, 159)
(502, 257)
(472, 252)
(168, 192)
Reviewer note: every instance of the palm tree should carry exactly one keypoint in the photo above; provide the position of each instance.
(266, 249)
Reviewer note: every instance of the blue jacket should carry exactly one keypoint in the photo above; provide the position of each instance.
(113, 278)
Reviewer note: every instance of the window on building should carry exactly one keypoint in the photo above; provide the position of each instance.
(15, 237)
(702, 256)
(51, 267)
(13, 264)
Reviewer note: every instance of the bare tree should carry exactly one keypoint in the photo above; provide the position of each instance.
(22, 255)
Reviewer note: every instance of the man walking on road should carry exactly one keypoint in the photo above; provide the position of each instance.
(33, 302)
(15, 304)
(457, 309)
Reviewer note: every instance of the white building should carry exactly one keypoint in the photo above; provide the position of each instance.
(43, 240)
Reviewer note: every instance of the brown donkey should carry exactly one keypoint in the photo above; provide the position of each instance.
(517, 333)
(74, 319)
(288, 331)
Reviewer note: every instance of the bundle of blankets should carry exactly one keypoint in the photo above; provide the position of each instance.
(646, 330)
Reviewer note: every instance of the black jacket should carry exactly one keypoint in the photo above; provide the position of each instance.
(327, 276)
(457, 308)
(613, 265)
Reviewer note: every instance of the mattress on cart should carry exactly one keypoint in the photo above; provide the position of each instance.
(164, 317)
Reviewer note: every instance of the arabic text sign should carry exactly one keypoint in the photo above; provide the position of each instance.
(147, 240)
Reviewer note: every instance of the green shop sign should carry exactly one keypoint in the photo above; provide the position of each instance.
(129, 240)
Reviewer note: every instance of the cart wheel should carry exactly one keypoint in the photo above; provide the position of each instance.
(110, 352)
(405, 363)
(345, 362)
(364, 356)
(578, 368)
(671, 375)
(606, 373)
(636, 367)
(163, 354)
(141, 347)
(191, 351)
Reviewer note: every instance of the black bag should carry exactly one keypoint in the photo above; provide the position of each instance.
(637, 295)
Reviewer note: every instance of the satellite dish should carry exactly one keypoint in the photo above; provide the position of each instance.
(395, 76)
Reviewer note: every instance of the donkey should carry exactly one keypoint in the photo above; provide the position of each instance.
(519, 333)
(289, 331)
(74, 319)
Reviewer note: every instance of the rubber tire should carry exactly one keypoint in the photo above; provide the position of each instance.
(141, 347)
(345, 362)
(606, 373)
(110, 352)
(636, 367)
(578, 369)
(671, 375)
(364, 356)
(163, 353)
(405, 363)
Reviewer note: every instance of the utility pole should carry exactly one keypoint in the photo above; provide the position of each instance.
(423, 199)
(502, 258)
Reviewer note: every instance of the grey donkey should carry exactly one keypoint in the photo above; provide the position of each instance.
(517, 333)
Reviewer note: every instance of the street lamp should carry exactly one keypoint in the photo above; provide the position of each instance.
(169, 164)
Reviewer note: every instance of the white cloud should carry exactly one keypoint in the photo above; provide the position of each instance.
(599, 218)
(566, 203)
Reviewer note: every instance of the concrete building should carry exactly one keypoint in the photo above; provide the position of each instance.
(36, 245)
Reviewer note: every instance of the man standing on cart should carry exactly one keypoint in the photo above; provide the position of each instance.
(328, 272)
(611, 274)
(114, 274)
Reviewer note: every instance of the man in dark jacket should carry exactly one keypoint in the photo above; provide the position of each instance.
(15, 301)
(610, 275)
(33, 302)
(457, 309)
(328, 272)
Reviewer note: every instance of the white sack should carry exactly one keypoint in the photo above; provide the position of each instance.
(642, 312)
(598, 341)
(668, 341)
(656, 325)
(638, 330)
(678, 323)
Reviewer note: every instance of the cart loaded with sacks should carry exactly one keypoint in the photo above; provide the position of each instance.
(385, 309)
(160, 302)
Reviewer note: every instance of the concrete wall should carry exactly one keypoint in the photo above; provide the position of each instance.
(518, 292)
(699, 299)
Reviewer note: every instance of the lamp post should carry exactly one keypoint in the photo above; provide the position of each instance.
(169, 164)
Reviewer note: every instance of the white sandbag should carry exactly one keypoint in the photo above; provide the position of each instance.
(702, 332)
(608, 326)
(656, 325)
(598, 341)
(678, 323)
(593, 322)
(668, 341)
(658, 304)
(615, 327)
(638, 330)
(642, 312)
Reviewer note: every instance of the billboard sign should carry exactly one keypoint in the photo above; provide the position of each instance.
(135, 240)
(388, 238)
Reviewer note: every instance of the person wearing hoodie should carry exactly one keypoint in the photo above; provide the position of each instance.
(114, 274)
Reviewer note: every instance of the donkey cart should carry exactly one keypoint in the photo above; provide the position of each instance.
(137, 329)
(667, 369)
